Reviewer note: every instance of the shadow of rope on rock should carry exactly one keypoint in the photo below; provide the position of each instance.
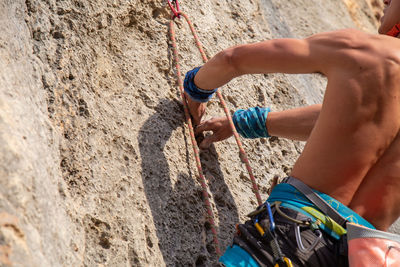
(184, 239)
(221, 195)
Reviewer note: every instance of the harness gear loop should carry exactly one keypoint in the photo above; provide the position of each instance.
(174, 10)
(277, 208)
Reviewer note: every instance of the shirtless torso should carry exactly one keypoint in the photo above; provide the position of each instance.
(353, 152)
(353, 144)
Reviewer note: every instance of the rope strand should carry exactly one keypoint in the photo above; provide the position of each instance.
(194, 143)
(242, 153)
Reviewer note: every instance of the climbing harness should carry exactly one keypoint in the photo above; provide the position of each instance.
(316, 200)
(364, 246)
(262, 220)
(174, 5)
(268, 234)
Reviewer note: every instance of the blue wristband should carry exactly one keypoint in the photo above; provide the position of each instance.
(193, 91)
(251, 123)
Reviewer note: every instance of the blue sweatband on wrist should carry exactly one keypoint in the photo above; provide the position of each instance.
(251, 123)
(193, 91)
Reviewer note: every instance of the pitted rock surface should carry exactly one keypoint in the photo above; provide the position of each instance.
(96, 167)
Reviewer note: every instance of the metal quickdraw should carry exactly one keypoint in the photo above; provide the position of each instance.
(297, 225)
(175, 10)
(270, 236)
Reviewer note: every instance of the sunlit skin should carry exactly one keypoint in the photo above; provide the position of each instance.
(353, 140)
(391, 16)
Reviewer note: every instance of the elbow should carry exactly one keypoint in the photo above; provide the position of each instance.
(232, 58)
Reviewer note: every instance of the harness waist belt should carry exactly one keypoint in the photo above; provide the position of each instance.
(291, 197)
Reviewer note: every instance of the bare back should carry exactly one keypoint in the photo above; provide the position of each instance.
(353, 153)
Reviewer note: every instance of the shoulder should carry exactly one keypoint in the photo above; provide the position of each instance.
(350, 38)
(348, 49)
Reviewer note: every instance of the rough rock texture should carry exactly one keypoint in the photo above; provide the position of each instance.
(96, 168)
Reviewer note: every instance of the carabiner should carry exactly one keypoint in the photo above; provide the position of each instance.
(271, 217)
(286, 262)
(259, 227)
(300, 243)
(173, 9)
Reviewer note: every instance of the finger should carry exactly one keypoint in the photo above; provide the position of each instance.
(204, 126)
(208, 141)
(197, 115)
(196, 109)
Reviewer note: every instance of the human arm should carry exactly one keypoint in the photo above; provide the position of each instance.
(295, 124)
(273, 56)
(280, 55)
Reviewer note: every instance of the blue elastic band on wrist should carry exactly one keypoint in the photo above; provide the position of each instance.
(251, 123)
(193, 91)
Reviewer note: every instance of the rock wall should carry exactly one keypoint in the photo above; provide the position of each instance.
(96, 168)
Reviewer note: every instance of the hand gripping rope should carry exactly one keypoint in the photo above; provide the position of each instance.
(242, 154)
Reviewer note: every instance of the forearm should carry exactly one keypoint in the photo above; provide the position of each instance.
(295, 124)
(218, 71)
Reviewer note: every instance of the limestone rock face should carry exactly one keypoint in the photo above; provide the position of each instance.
(96, 167)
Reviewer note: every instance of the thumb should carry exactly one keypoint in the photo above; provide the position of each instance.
(207, 142)
(202, 127)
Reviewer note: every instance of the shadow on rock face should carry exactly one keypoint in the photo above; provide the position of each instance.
(177, 209)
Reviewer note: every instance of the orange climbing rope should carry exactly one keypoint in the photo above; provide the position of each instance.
(176, 14)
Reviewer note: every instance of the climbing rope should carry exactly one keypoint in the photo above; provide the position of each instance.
(242, 154)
